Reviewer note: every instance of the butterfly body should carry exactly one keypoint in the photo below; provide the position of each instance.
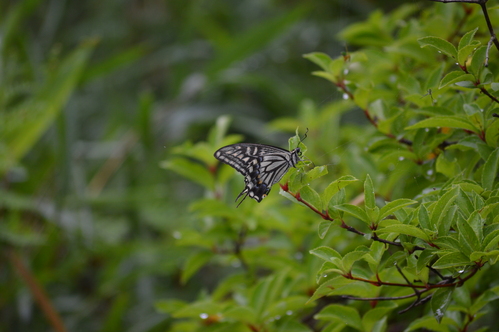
(261, 165)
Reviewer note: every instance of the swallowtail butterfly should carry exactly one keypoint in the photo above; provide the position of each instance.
(261, 165)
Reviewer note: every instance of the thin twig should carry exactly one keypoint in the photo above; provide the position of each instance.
(466, 1)
(38, 292)
(489, 24)
(489, 45)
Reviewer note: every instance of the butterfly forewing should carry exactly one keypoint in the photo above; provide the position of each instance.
(261, 165)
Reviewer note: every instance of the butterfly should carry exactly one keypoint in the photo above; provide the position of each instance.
(261, 165)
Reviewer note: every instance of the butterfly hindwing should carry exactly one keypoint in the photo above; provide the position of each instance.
(261, 165)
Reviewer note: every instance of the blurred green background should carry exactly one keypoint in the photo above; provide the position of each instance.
(93, 95)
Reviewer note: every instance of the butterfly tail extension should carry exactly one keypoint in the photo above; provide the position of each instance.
(242, 193)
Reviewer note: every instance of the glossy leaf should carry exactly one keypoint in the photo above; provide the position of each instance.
(440, 301)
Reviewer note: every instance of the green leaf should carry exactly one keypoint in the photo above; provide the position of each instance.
(440, 301)
(467, 234)
(465, 52)
(325, 75)
(241, 314)
(393, 206)
(429, 323)
(194, 263)
(362, 97)
(424, 259)
(355, 211)
(22, 127)
(267, 291)
(444, 121)
(369, 196)
(492, 133)
(347, 315)
(440, 44)
(467, 38)
(478, 61)
(218, 131)
(462, 296)
(284, 305)
(191, 170)
(315, 173)
(446, 166)
(491, 240)
(310, 196)
(321, 59)
(354, 256)
(447, 242)
(373, 316)
(323, 228)
(169, 306)
(490, 170)
(484, 299)
(453, 259)
(441, 208)
(423, 217)
(329, 268)
(196, 309)
(490, 256)
(334, 187)
(404, 229)
(455, 77)
(325, 253)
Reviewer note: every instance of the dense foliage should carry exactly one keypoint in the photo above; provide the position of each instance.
(388, 224)
(423, 222)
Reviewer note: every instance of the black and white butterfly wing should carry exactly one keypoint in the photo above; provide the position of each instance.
(261, 165)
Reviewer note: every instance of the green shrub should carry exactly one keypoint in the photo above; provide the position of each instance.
(413, 189)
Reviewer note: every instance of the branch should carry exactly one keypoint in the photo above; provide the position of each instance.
(489, 24)
(37, 290)
(466, 1)
(325, 215)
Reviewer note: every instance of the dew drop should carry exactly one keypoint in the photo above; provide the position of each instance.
(345, 96)
(177, 235)
(324, 276)
(401, 158)
(289, 312)
(429, 172)
(203, 316)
